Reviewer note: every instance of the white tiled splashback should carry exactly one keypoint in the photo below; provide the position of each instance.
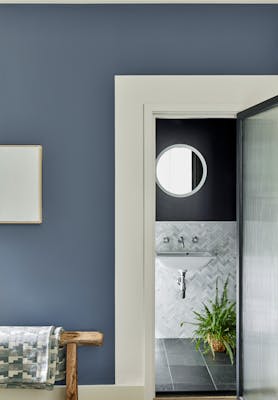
(170, 308)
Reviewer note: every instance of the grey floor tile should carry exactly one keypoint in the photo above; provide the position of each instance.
(174, 346)
(223, 374)
(193, 375)
(227, 386)
(220, 359)
(164, 387)
(162, 375)
(160, 359)
(160, 355)
(187, 357)
(159, 346)
(188, 387)
(188, 343)
(189, 370)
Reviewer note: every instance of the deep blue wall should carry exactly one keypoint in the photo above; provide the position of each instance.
(57, 67)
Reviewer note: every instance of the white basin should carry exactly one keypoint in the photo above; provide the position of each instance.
(185, 260)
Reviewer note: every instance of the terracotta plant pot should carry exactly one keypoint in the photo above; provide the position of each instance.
(217, 345)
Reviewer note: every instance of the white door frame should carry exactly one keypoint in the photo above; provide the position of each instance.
(139, 2)
(151, 113)
(139, 100)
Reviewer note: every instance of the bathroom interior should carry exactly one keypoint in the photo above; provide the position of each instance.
(195, 256)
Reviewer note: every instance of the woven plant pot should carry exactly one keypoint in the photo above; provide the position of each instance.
(217, 345)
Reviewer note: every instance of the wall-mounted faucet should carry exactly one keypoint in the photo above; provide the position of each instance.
(181, 240)
(182, 282)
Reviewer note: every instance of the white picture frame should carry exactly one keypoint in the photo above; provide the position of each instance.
(20, 184)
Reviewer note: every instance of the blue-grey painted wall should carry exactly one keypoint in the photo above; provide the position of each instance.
(57, 67)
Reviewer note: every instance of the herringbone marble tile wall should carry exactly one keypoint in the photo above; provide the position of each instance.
(171, 309)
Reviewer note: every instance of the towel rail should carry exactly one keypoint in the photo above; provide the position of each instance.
(73, 339)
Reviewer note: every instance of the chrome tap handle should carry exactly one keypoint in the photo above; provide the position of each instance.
(195, 239)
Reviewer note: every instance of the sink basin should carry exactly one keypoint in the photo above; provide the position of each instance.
(189, 260)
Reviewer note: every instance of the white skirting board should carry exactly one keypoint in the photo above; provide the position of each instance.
(86, 392)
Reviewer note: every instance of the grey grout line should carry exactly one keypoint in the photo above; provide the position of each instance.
(167, 359)
(211, 377)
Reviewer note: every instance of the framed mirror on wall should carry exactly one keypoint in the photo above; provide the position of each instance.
(181, 170)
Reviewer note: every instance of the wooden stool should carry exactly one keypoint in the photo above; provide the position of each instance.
(72, 340)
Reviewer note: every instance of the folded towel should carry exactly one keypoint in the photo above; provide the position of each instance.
(30, 357)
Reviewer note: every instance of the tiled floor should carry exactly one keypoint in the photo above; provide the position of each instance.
(180, 368)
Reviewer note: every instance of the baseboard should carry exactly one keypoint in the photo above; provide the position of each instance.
(96, 392)
(197, 398)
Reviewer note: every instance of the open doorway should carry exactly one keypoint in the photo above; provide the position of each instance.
(140, 100)
(195, 264)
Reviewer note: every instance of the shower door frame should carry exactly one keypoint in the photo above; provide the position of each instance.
(241, 116)
(138, 102)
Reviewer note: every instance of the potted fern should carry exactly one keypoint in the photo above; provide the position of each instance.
(216, 325)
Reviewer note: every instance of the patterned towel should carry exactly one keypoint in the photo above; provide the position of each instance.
(30, 357)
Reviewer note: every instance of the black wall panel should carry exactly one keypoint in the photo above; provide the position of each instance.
(216, 140)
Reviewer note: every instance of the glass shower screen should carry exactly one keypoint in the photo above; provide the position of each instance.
(258, 221)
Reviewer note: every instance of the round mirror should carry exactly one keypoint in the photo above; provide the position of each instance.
(181, 170)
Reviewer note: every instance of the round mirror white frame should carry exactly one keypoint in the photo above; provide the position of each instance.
(203, 162)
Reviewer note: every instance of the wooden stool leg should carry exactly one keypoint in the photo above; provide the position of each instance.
(71, 372)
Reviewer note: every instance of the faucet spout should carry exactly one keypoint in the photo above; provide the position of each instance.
(182, 282)
(181, 240)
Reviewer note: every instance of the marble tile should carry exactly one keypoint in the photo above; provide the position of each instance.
(171, 309)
